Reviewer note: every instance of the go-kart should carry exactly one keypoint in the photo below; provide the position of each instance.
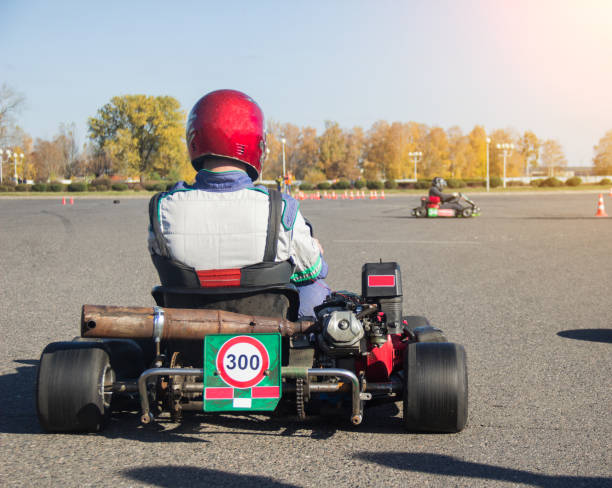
(432, 207)
(193, 352)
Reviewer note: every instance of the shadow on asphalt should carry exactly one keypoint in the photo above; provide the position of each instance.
(19, 404)
(171, 476)
(439, 464)
(592, 335)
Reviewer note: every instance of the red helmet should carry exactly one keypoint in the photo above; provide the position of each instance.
(228, 124)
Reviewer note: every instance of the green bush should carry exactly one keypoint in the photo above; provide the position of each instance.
(551, 182)
(77, 186)
(55, 186)
(455, 183)
(536, 182)
(119, 186)
(422, 184)
(605, 181)
(391, 184)
(375, 185)
(306, 186)
(7, 188)
(516, 183)
(472, 183)
(100, 184)
(573, 181)
(169, 186)
(39, 187)
(136, 187)
(341, 185)
(155, 186)
(22, 187)
(324, 185)
(359, 184)
(495, 181)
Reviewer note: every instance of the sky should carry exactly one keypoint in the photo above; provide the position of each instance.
(540, 65)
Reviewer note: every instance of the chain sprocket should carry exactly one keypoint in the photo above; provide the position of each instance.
(299, 398)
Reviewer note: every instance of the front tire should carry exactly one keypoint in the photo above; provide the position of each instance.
(435, 387)
(466, 212)
(71, 388)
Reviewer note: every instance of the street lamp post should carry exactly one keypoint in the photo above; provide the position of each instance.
(416, 156)
(22, 167)
(283, 141)
(488, 183)
(15, 156)
(506, 150)
(8, 158)
(1, 163)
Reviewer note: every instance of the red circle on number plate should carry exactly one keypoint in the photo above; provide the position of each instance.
(265, 361)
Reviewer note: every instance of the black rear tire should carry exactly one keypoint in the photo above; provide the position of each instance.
(420, 212)
(70, 390)
(435, 387)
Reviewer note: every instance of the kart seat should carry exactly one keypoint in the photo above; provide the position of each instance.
(269, 301)
(433, 202)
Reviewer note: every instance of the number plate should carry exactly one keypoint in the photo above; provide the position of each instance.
(242, 372)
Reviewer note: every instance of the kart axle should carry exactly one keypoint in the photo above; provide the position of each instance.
(348, 376)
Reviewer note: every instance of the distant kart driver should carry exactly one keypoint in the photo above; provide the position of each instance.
(217, 232)
(447, 200)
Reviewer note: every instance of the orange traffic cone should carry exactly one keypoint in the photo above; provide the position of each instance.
(63, 200)
(71, 201)
(352, 196)
(611, 192)
(334, 196)
(601, 211)
(363, 194)
(382, 194)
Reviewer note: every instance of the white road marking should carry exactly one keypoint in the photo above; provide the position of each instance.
(357, 241)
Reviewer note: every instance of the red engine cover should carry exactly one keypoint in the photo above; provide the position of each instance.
(383, 360)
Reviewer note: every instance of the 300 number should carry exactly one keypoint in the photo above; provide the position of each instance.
(243, 362)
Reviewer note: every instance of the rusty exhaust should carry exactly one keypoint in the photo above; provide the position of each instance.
(178, 323)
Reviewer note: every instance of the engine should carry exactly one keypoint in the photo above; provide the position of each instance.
(352, 325)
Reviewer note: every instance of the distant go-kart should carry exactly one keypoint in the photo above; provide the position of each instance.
(193, 353)
(432, 207)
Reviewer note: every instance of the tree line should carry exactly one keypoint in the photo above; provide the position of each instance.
(142, 136)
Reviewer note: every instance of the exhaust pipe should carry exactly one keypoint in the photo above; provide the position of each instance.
(177, 323)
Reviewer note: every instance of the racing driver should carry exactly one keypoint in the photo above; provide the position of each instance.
(223, 228)
(448, 200)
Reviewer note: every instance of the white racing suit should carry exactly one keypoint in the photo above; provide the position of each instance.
(218, 228)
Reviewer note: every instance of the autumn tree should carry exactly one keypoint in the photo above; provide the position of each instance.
(529, 147)
(603, 155)
(553, 157)
(436, 154)
(142, 134)
(332, 150)
(48, 161)
(10, 104)
(376, 150)
(350, 168)
(477, 156)
(69, 146)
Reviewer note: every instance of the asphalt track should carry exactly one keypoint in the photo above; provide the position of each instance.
(526, 287)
